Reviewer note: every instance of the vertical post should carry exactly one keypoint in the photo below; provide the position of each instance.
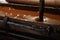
(41, 10)
(5, 23)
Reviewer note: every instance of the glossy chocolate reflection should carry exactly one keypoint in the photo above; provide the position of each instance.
(29, 15)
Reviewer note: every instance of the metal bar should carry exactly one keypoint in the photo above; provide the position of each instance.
(41, 10)
(27, 7)
(19, 35)
(36, 2)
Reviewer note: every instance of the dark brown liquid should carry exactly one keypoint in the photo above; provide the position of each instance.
(29, 15)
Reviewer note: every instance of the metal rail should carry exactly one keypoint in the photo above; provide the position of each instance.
(43, 31)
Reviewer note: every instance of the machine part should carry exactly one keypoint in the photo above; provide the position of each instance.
(45, 30)
(55, 3)
(41, 10)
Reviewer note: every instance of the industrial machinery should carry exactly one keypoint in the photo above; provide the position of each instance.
(30, 20)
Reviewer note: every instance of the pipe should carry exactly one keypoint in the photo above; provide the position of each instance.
(36, 2)
(41, 10)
